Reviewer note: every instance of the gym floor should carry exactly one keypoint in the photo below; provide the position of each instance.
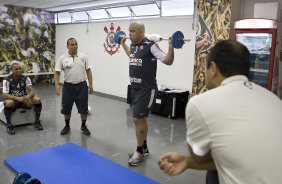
(113, 136)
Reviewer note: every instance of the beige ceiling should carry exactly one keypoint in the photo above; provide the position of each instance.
(61, 5)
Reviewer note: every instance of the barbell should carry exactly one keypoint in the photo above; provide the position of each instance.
(177, 39)
(25, 178)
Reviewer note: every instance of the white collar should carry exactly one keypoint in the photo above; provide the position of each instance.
(234, 78)
(71, 55)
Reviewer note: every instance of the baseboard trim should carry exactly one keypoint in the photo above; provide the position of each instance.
(109, 96)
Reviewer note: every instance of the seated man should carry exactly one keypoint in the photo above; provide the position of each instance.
(18, 93)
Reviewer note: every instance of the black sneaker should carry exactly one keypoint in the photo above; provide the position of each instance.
(10, 129)
(85, 130)
(65, 130)
(37, 125)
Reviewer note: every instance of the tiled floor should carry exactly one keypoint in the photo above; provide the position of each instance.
(112, 136)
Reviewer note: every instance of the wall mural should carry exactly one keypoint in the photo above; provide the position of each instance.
(27, 35)
(213, 24)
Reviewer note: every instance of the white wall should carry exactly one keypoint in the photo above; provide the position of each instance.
(236, 12)
(110, 73)
(248, 7)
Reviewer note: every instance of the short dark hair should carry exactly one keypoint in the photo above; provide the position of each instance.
(15, 63)
(69, 40)
(231, 58)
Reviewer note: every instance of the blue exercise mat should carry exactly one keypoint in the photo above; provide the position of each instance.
(73, 164)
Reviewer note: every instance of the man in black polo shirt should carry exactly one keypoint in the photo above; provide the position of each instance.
(18, 93)
(143, 54)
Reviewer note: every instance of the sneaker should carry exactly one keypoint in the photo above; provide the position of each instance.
(37, 125)
(65, 130)
(136, 159)
(10, 129)
(85, 130)
(145, 153)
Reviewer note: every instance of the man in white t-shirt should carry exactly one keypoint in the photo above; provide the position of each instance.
(235, 127)
(75, 90)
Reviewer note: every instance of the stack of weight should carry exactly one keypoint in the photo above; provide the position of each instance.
(25, 178)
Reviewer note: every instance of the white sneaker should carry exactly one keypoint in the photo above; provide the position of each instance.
(136, 159)
(145, 153)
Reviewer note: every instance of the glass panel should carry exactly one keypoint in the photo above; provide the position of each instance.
(98, 14)
(143, 10)
(79, 16)
(177, 7)
(119, 12)
(259, 45)
(56, 18)
(64, 17)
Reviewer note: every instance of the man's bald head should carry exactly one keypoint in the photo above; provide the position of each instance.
(136, 32)
(139, 26)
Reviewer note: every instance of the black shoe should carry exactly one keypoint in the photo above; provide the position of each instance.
(65, 130)
(37, 125)
(85, 130)
(10, 129)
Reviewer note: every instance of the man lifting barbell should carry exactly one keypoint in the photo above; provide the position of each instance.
(143, 54)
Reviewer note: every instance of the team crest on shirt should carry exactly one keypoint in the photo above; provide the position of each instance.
(110, 46)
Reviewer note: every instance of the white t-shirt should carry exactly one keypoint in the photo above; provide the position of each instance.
(74, 67)
(241, 124)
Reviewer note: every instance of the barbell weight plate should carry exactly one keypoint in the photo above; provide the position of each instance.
(118, 35)
(33, 181)
(21, 178)
(177, 39)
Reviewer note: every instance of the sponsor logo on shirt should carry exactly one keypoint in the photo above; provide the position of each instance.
(135, 80)
(17, 93)
(135, 61)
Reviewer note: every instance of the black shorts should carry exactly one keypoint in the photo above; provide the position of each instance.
(77, 93)
(142, 100)
(19, 104)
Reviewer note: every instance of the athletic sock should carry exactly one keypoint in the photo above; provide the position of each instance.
(139, 149)
(145, 144)
(8, 113)
(37, 110)
(83, 122)
(67, 121)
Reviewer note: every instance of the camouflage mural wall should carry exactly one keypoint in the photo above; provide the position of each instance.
(27, 35)
(213, 24)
